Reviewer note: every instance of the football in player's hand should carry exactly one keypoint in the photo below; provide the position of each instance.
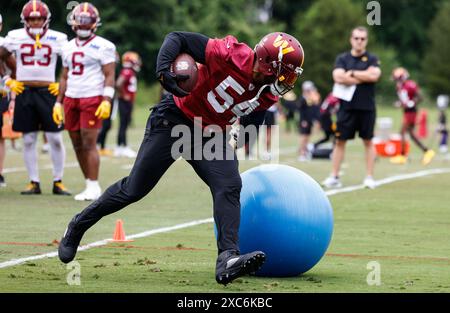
(184, 64)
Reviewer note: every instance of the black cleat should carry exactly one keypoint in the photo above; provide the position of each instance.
(230, 265)
(2, 181)
(60, 189)
(69, 243)
(33, 188)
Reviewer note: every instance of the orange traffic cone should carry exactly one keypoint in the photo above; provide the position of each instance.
(119, 233)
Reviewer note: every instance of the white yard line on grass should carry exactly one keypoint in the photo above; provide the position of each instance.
(45, 167)
(148, 233)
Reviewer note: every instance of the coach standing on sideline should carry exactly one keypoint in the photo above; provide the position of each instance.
(360, 68)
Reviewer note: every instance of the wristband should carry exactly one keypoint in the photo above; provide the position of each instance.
(6, 78)
(108, 91)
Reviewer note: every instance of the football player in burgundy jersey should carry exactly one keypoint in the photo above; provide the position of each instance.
(127, 87)
(234, 80)
(409, 97)
(86, 90)
(32, 82)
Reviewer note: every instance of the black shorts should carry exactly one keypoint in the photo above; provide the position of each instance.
(305, 126)
(4, 103)
(326, 123)
(33, 111)
(269, 118)
(351, 121)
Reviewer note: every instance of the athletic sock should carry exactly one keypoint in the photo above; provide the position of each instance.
(57, 153)
(30, 155)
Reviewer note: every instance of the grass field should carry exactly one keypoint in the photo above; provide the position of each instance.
(403, 225)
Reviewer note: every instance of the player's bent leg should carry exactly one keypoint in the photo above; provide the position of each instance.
(230, 263)
(153, 160)
(223, 178)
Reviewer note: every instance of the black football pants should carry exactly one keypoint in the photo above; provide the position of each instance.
(125, 110)
(153, 159)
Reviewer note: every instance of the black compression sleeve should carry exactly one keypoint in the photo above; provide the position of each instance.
(176, 43)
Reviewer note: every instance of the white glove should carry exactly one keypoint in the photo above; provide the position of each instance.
(234, 135)
(277, 89)
(410, 104)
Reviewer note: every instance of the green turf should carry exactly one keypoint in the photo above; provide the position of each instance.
(403, 226)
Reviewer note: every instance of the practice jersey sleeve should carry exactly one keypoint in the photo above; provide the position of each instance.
(108, 53)
(176, 43)
(9, 43)
(219, 48)
(64, 55)
(60, 43)
(227, 52)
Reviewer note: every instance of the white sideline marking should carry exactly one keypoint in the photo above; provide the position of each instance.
(45, 167)
(148, 233)
(106, 241)
(391, 179)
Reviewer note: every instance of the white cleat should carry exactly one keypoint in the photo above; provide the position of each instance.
(89, 194)
(303, 158)
(128, 152)
(118, 151)
(369, 182)
(332, 182)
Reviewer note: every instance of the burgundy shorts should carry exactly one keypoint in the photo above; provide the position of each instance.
(80, 113)
(409, 118)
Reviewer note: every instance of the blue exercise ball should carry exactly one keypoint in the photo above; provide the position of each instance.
(287, 215)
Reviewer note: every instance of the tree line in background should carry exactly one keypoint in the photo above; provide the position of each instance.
(413, 33)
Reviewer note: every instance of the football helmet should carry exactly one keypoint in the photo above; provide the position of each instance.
(84, 20)
(33, 9)
(280, 55)
(400, 73)
(131, 59)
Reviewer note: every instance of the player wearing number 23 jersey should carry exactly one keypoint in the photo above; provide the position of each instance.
(35, 68)
(36, 49)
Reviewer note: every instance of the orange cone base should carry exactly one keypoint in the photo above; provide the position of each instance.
(119, 233)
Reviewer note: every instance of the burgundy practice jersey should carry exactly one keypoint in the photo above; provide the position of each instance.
(407, 93)
(224, 86)
(129, 87)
